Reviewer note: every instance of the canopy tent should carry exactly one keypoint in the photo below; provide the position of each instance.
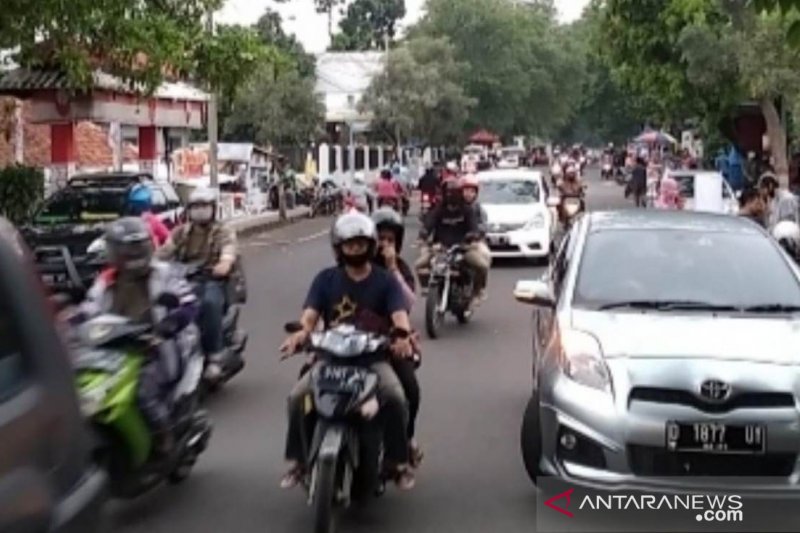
(484, 137)
(655, 137)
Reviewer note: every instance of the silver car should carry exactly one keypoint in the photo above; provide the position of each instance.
(666, 352)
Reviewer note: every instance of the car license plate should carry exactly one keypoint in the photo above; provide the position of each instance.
(716, 437)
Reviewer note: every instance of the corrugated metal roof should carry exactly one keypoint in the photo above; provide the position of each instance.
(23, 79)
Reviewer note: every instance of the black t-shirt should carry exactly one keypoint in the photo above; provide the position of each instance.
(367, 304)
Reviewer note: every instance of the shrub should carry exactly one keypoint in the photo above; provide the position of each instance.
(21, 192)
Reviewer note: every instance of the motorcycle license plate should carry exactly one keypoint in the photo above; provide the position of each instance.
(716, 437)
(341, 378)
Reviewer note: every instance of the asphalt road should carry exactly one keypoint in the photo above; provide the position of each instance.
(475, 384)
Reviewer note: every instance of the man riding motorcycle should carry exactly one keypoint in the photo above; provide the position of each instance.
(209, 242)
(570, 185)
(482, 255)
(132, 287)
(371, 299)
(359, 193)
(783, 205)
(140, 204)
(389, 191)
(451, 223)
(787, 233)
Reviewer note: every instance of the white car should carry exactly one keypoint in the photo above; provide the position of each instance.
(520, 224)
(511, 157)
(692, 182)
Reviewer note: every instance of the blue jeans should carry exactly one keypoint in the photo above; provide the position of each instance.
(211, 294)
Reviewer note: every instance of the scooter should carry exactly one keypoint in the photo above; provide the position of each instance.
(111, 352)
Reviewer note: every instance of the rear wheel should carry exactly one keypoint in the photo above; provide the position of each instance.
(324, 495)
(433, 318)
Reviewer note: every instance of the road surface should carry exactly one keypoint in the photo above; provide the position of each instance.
(475, 384)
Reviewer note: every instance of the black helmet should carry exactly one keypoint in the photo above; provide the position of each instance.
(129, 245)
(386, 174)
(349, 227)
(388, 218)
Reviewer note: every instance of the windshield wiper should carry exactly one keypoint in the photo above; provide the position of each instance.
(668, 305)
(772, 308)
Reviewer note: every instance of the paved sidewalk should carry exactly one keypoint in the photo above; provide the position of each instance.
(246, 225)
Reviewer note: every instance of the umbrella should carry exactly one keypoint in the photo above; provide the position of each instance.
(655, 137)
(484, 137)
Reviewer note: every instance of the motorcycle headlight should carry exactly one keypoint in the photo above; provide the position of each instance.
(97, 247)
(537, 222)
(581, 359)
(572, 207)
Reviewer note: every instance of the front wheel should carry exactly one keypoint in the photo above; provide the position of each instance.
(324, 495)
(433, 318)
(531, 439)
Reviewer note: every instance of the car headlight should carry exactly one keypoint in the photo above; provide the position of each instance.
(97, 247)
(581, 359)
(537, 222)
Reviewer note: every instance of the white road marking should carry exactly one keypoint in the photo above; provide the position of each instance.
(266, 243)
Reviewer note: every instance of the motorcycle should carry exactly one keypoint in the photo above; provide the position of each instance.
(450, 289)
(110, 355)
(556, 172)
(234, 337)
(570, 206)
(607, 170)
(345, 453)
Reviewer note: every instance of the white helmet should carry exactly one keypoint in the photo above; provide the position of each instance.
(787, 233)
(202, 205)
(358, 178)
(202, 195)
(452, 166)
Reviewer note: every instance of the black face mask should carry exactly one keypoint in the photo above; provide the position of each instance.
(356, 261)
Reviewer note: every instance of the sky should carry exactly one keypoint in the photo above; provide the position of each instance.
(300, 18)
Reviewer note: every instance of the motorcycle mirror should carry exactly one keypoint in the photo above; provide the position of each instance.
(168, 300)
(292, 327)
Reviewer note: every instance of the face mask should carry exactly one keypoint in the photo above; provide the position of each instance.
(356, 261)
(201, 214)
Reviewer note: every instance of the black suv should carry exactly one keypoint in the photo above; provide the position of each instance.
(48, 480)
(63, 231)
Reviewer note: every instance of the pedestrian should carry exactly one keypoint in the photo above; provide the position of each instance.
(669, 195)
(752, 206)
(781, 204)
(637, 187)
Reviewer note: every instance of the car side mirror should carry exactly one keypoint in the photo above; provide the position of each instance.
(553, 201)
(535, 293)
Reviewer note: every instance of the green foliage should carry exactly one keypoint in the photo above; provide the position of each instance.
(368, 24)
(277, 107)
(270, 30)
(418, 93)
(21, 191)
(138, 41)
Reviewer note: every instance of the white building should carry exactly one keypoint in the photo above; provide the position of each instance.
(342, 79)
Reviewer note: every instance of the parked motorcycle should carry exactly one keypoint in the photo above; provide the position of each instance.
(234, 337)
(346, 450)
(450, 289)
(110, 355)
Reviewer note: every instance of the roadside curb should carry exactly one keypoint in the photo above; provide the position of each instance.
(266, 222)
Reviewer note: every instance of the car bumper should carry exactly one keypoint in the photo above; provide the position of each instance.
(525, 244)
(81, 511)
(622, 447)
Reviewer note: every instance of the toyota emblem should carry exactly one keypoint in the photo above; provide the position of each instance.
(715, 390)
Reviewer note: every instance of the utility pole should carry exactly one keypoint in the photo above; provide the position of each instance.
(213, 167)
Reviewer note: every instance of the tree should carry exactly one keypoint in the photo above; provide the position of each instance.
(275, 107)
(524, 72)
(270, 30)
(140, 42)
(750, 56)
(368, 24)
(418, 95)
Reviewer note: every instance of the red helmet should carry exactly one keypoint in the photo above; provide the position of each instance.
(471, 181)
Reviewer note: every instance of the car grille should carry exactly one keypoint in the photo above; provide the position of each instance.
(653, 461)
(749, 400)
(504, 247)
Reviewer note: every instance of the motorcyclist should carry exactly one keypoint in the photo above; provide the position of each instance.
(787, 233)
(478, 249)
(388, 190)
(391, 233)
(140, 204)
(359, 193)
(429, 182)
(133, 286)
(212, 244)
(783, 204)
(451, 223)
(752, 206)
(570, 185)
(371, 299)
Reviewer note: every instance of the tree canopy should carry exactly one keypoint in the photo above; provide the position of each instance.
(369, 24)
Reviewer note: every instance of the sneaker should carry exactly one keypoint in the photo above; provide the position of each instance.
(292, 478)
(213, 371)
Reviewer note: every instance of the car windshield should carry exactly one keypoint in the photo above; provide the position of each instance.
(721, 269)
(83, 205)
(686, 183)
(509, 192)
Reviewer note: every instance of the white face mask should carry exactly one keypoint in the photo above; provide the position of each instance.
(201, 213)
